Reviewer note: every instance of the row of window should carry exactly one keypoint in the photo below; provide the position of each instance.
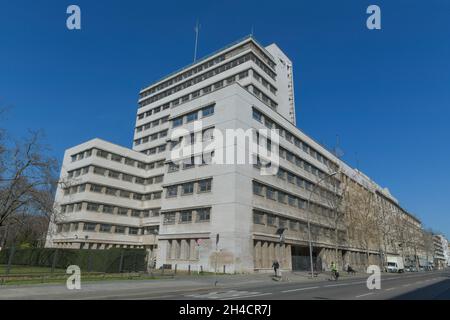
(112, 192)
(187, 216)
(204, 66)
(154, 110)
(154, 150)
(269, 123)
(110, 209)
(193, 95)
(127, 177)
(299, 181)
(188, 163)
(263, 97)
(201, 136)
(264, 82)
(229, 65)
(289, 199)
(193, 116)
(188, 188)
(105, 228)
(151, 137)
(116, 158)
(272, 220)
(152, 124)
(115, 175)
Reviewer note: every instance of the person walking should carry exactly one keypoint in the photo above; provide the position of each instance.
(275, 267)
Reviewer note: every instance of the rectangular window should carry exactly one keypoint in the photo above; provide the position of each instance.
(127, 177)
(257, 188)
(102, 154)
(100, 171)
(271, 220)
(204, 214)
(188, 188)
(111, 191)
(108, 209)
(124, 194)
(115, 157)
(122, 211)
(292, 200)
(257, 115)
(96, 188)
(186, 216)
(205, 185)
(177, 122)
(208, 111)
(105, 228)
(270, 193)
(157, 195)
(258, 218)
(192, 117)
(89, 227)
(169, 218)
(172, 191)
(113, 174)
(281, 197)
(133, 231)
(119, 229)
(136, 213)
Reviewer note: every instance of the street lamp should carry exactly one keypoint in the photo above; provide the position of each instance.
(309, 220)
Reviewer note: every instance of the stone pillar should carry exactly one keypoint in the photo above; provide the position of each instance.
(265, 255)
(193, 250)
(257, 255)
(288, 255)
(184, 254)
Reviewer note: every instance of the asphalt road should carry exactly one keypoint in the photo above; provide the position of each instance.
(423, 285)
(410, 286)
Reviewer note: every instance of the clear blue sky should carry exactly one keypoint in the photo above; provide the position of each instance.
(385, 93)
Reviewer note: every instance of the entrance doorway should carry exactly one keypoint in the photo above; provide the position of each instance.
(301, 260)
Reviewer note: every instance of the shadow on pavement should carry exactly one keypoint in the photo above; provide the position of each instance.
(436, 291)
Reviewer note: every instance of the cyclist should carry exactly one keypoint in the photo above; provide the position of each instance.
(334, 272)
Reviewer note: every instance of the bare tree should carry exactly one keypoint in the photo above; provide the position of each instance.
(28, 179)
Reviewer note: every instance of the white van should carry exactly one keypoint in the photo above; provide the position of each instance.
(395, 264)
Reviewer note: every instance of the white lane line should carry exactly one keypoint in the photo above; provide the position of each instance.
(406, 285)
(390, 289)
(250, 296)
(363, 295)
(337, 285)
(299, 289)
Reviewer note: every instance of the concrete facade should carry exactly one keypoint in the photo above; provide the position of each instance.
(111, 196)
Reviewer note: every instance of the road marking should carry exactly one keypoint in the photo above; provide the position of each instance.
(337, 285)
(406, 285)
(225, 295)
(363, 295)
(299, 289)
(390, 289)
(250, 296)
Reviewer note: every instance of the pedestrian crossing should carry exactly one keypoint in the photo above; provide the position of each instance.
(219, 295)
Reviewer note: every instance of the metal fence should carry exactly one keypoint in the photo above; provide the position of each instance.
(51, 260)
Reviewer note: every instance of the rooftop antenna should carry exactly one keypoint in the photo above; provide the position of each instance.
(337, 150)
(252, 31)
(196, 29)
